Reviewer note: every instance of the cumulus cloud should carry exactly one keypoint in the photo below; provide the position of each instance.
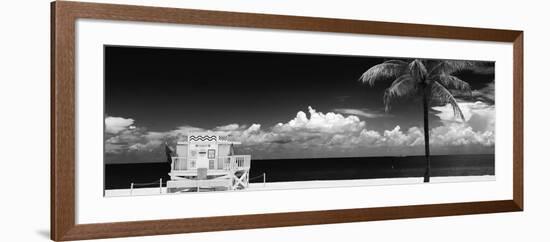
(458, 134)
(414, 136)
(318, 134)
(139, 139)
(321, 123)
(479, 116)
(114, 125)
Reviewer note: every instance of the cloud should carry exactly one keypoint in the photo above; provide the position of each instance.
(414, 136)
(229, 127)
(139, 139)
(323, 132)
(360, 112)
(321, 123)
(318, 134)
(478, 128)
(458, 134)
(479, 116)
(114, 125)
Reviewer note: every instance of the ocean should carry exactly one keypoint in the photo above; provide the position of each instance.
(119, 176)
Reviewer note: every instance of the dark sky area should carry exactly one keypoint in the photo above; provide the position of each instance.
(162, 89)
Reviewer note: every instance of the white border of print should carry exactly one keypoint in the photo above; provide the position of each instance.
(92, 207)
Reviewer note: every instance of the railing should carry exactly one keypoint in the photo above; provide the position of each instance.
(133, 185)
(234, 162)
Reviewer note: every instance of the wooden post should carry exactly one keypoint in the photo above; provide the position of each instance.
(264, 179)
(160, 186)
(131, 188)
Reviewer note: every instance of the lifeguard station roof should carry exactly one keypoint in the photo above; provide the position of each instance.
(207, 137)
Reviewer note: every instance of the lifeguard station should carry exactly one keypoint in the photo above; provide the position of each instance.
(207, 161)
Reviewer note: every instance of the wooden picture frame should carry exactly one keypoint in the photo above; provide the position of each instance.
(63, 17)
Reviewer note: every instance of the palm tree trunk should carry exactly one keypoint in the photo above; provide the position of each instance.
(425, 95)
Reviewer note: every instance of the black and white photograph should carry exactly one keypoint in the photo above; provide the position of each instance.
(203, 120)
(269, 121)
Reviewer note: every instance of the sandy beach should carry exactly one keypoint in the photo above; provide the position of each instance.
(308, 184)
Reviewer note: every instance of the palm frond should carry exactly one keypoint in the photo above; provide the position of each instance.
(417, 69)
(453, 83)
(402, 86)
(431, 63)
(451, 66)
(399, 62)
(387, 70)
(441, 94)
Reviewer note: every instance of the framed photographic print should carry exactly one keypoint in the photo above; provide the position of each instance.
(172, 120)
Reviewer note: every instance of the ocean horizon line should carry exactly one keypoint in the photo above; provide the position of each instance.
(322, 158)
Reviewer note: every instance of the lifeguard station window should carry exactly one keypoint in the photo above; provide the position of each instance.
(211, 153)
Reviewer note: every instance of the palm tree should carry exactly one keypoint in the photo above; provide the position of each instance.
(430, 79)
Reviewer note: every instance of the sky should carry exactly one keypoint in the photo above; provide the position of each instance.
(279, 105)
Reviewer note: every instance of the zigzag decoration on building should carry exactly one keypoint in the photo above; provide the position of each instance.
(202, 138)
